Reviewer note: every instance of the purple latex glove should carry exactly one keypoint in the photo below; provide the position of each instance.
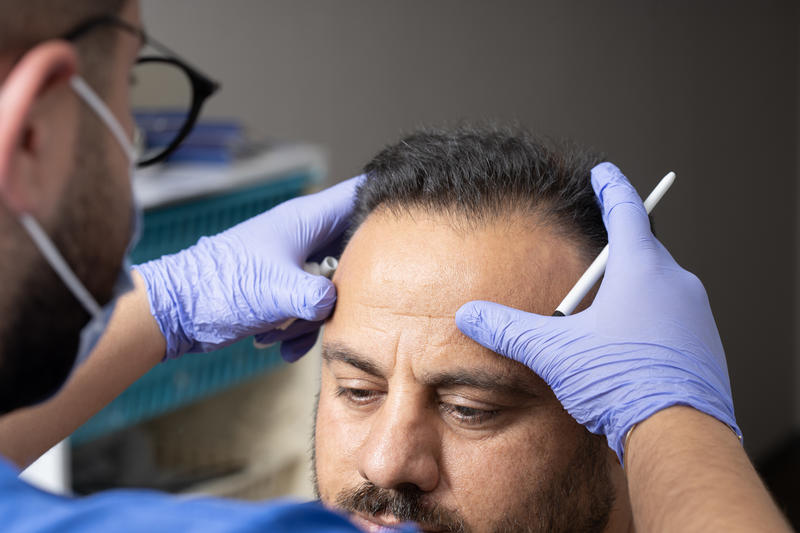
(249, 279)
(647, 342)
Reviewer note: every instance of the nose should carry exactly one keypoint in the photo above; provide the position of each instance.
(403, 446)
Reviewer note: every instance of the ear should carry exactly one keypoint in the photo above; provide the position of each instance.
(32, 79)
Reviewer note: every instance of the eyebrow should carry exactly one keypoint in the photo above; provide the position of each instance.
(481, 379)
(503, 383)
(342, 354)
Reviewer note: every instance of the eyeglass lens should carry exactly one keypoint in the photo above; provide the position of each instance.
(161, 99)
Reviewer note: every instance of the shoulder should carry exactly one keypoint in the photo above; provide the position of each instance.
(25, 508)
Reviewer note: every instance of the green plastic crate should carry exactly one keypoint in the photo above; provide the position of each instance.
(179, 382)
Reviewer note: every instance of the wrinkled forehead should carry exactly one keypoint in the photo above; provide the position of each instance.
(414, 270)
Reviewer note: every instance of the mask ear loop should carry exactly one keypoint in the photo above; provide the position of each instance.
(99, 107)
(56, 260)
(35, 231)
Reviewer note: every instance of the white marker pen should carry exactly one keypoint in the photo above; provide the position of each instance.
(598, 266)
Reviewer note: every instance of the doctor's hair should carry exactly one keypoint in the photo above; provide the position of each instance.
(26, 23)
(477, 174)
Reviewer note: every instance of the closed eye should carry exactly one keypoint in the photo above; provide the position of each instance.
(468, 415)
(357, 396)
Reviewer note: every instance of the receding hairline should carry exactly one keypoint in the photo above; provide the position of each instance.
(515, 261)
(517, 217)
(476, 173)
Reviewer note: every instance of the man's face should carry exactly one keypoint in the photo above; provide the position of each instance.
(415, 421)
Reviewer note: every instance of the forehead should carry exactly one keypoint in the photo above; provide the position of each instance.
(428, 264)
(404, 275)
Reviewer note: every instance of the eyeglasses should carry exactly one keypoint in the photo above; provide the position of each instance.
(167, 93)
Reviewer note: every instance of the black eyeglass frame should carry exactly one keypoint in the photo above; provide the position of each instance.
(202, 86)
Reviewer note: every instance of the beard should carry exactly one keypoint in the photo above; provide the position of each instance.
(407, 504)
(578, 498)
(41, 339)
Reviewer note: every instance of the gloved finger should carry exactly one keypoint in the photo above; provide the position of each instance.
(623, 211)
(666, 259)
(298, 328)
(309, 297)
(294, 349)
(521, 336)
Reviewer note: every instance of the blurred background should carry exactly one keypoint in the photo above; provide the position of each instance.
(706, 88)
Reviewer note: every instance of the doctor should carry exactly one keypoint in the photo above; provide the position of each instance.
(67, 220)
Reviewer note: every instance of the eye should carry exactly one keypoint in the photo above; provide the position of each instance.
(468, 415)
(357, 396)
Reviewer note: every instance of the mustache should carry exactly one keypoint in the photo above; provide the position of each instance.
(407, 504)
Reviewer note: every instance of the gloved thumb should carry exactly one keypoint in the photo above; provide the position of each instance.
(312, 297)
(518, 335)
(624, 213)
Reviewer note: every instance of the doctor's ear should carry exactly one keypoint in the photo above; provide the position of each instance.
(38, 128)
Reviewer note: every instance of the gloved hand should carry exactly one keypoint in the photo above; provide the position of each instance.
(250, 279)
(647, 342)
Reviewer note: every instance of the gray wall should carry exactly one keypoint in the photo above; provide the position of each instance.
(705, 88)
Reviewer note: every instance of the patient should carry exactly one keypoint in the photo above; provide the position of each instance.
(416, 422)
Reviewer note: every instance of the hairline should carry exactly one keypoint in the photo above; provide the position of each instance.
(465, 222)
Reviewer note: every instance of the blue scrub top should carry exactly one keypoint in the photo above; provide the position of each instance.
(24, 508)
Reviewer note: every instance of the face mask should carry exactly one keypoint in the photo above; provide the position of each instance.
(94, 329)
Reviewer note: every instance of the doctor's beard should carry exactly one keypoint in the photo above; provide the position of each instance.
(41, 335)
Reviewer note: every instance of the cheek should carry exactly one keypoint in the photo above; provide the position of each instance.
(496, 467)
(338, 439)
(120, 107)
(509, 466)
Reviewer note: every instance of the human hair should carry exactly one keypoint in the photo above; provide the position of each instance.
(476, 174)
(26, 23)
